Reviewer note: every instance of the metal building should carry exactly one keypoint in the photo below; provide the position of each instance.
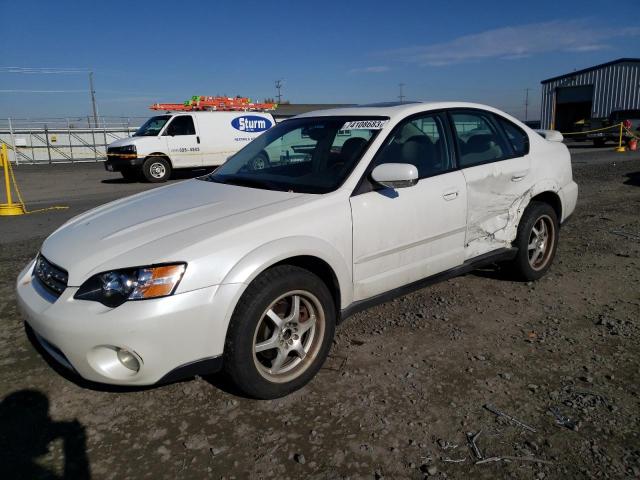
(590, 93)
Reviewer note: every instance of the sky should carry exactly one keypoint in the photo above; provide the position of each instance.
(324, 52)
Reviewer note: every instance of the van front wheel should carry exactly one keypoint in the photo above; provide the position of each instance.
(156, 169)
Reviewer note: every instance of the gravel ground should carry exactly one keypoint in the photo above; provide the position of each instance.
(405, 384)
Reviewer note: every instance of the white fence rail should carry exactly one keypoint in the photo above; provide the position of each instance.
(63, 140)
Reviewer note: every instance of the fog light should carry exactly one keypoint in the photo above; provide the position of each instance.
(128, 360)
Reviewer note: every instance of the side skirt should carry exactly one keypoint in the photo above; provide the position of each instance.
(501, 255)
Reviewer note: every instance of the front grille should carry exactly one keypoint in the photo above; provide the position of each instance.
(52, 277)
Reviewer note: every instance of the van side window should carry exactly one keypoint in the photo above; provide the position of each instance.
(479, 140)
(419, 141)
(182, 125)
(517, 137)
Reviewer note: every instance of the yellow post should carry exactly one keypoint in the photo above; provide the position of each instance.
(620, 148)
(8, 208)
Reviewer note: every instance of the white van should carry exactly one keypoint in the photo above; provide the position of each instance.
(185, 140)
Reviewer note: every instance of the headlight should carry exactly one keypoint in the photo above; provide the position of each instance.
(116, 287)
(128, 149)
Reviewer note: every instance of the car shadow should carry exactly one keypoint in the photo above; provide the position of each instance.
(224, 383)
(27, 432)
(633, 179)
(494, 272)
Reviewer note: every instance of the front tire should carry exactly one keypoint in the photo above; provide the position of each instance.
(260, 161)
(536, 241)
(280, 332)
(156, 169)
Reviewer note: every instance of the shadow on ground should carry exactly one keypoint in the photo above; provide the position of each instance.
(27, 434)
(633, 179)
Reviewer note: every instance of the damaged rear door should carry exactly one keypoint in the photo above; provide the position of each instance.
(493, 154)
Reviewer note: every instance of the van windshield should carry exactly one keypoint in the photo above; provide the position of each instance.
(306, 155)
(152, 127)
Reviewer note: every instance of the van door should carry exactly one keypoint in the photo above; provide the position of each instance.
(183, 142)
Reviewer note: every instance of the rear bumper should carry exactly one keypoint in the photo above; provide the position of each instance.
(569, 197)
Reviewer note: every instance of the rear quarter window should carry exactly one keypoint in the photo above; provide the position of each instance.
(517, 137)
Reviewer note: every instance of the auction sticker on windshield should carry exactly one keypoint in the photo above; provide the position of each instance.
(364, 124)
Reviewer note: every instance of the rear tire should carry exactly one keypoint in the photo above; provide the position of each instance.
(280, 332)
(536, 241)
(156, 169)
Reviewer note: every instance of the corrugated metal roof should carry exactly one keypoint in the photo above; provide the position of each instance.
(590, 69)
(291, 109)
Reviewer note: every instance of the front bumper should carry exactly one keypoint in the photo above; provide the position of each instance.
(115, 163)
(171, 336)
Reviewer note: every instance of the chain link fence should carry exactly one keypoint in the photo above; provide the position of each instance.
(63, 140)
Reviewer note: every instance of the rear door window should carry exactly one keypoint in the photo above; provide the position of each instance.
(517, 137)
(479, 140)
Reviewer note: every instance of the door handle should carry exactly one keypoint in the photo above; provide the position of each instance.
(519, 176)
(450, 195)
(198, 138)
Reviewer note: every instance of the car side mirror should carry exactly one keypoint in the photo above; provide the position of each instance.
(395, 175)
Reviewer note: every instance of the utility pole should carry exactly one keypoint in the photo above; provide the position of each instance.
(526, 104)
(93, 100)
(401, 96)
(278, 88)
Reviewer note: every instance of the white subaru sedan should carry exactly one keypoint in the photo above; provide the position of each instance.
(250, 269)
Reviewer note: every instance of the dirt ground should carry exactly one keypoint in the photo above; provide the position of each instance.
(405, 382)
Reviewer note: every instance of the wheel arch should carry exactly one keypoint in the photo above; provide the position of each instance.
(160, 154)
(322, 270)
(552, 198)
(311, 253)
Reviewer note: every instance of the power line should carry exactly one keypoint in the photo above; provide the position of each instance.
(42, 91)
(43, 70)
(56, 71)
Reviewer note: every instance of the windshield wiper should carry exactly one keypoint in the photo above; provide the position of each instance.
(246, 182)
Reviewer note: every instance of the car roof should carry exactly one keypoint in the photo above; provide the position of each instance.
(395, 109)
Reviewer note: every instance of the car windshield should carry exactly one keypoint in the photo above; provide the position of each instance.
(152, 127)
(307, 155)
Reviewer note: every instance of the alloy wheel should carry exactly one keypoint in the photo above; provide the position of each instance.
(288, 336)
(541, 242)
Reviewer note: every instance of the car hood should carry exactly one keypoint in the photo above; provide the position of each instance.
(123, 142)
(106, 237)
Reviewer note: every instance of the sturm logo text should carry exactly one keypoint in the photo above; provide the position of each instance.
(251, 123)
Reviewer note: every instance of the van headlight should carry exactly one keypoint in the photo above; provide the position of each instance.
(128, 149)
(114, 288)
